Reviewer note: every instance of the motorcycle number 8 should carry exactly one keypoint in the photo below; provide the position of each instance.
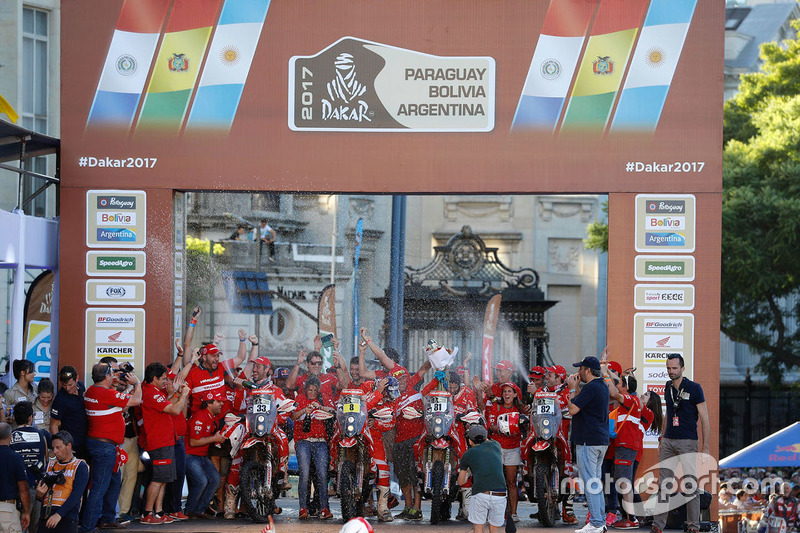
(352, 408)
(545, 407)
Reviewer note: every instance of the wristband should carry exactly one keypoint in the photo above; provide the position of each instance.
(192, 325)
(242, 340)
(255, 344)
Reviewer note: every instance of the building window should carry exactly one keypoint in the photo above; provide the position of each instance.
(267, 201)
(35, 68)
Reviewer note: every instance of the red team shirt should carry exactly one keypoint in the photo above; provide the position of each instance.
(104, 409)
(201, 381)
(328, 382)
(414, 428)
(317, 426)
(158, 424)
(506, 442)
(201, 425)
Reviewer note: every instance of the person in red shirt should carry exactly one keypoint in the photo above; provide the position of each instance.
(157, 414)
(313, 360)
(488, 392)
(509, 438)
(106, 434)
(200, 472)
(209, 374)
(410, 428)
(310, 442)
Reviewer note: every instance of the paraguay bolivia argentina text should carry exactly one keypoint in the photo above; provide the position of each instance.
(458, 83)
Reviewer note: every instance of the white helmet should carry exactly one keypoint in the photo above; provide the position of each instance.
(236, 438)
(508, 423)
(356, 525)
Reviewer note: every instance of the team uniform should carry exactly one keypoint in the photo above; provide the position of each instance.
(510, 444)
(160, 431)
(202, 381)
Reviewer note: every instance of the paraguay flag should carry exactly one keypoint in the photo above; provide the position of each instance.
(127, 63)
(177, 66)
(653, 65)
(229, 58)
(553, 65)
(600, 72)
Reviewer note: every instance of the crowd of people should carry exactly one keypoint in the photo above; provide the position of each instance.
(135, 444)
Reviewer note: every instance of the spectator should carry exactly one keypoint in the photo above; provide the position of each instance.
(484, 460)
(105, 436)
(313, 362)
(156, 411)
(784, 506)
(487, 392)
(267, 235)
(237, 235)
(174, 490)
(43, 404)
(503, 420)
(62, 500)
(311, 444)
(589, 411)
(24, 388)
(13, 486)
(130, 470)
(203, 478)
(725, 497)
(409, 427)
(69, 410)
(686, 405)
(31, 444)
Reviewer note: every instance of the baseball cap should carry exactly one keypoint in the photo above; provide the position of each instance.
(559, 370)
(281, 372)
(513, 386)
(504, 365)
(210, 396)
(263, 361)
(461, 370)
(171, 374)
(616, 367)
(590, 362)
(399, 372)
(475, 431)
(538, 371)
(209, 349)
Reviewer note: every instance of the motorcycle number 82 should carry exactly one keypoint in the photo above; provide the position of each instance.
(545, 406)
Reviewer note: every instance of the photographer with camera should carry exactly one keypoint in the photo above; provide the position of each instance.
(32, 445)
(61, 488)
(104, 406)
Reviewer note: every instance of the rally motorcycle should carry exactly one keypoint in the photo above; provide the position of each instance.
(439, 457)
(259, 480)
(353, 461)
(541, 472)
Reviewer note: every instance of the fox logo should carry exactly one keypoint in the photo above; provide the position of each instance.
(794, 448)
(664, 341)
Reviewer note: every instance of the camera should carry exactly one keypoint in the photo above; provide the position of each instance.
(125, 368)
(53, 478)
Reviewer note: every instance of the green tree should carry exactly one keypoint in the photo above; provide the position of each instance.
(597, 233)
(202, 273)
(761, 210)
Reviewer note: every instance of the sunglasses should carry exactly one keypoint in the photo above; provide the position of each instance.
(317, 363)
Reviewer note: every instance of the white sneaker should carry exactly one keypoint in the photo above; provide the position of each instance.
(514, 517)
(588, 528)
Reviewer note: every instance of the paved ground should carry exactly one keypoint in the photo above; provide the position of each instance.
(287, 522)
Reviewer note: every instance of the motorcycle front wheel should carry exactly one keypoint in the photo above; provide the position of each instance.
(347, 480)
(437, 484)
(256, 491)
(546, 497)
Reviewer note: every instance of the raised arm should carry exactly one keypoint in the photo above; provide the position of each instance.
(189, 335)
(136, 394)
(465, 363)
(242, 352)
(291, 381)
(379, 353)
(342, 375)
(362, 364)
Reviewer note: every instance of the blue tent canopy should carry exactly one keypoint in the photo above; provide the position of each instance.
(779, 449)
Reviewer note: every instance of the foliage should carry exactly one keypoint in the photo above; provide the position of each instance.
(598, 233)
(761, 210)
(202, 273)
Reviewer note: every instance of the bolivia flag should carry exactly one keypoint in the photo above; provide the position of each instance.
(128, 62)
(178, 64)
(228, 64)
(600, 73)
(553, 64)
(653, 65)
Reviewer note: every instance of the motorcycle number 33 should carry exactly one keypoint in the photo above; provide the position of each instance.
(545, 406)
(260, 407)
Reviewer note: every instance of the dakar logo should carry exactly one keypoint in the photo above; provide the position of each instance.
(126, 65)
(344, 90)
(603, 65)
(178, 63)
(551, 69)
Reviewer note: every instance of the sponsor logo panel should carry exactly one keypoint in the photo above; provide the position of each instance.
(116, 202)
(115, 336)
(672, 207)
(120, 352)
(655, 373)
(115, 320)
(116, 219)
(663, 324)
(658, 357)
(666, 342)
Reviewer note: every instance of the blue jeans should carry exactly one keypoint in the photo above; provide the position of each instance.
(172, 498)
(590, 468)
(318, 451)
(101, 504)
(203, 482)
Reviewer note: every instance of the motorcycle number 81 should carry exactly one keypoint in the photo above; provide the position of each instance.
(438, 405)
(352, 408)
(545, 406)
(260, 408)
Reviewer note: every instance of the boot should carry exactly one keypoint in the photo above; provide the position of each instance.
(384, 514)
(231, 493)
(463, 510)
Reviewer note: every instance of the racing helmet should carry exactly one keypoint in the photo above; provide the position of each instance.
(393, 388)
(356, 525)
(508, 423)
